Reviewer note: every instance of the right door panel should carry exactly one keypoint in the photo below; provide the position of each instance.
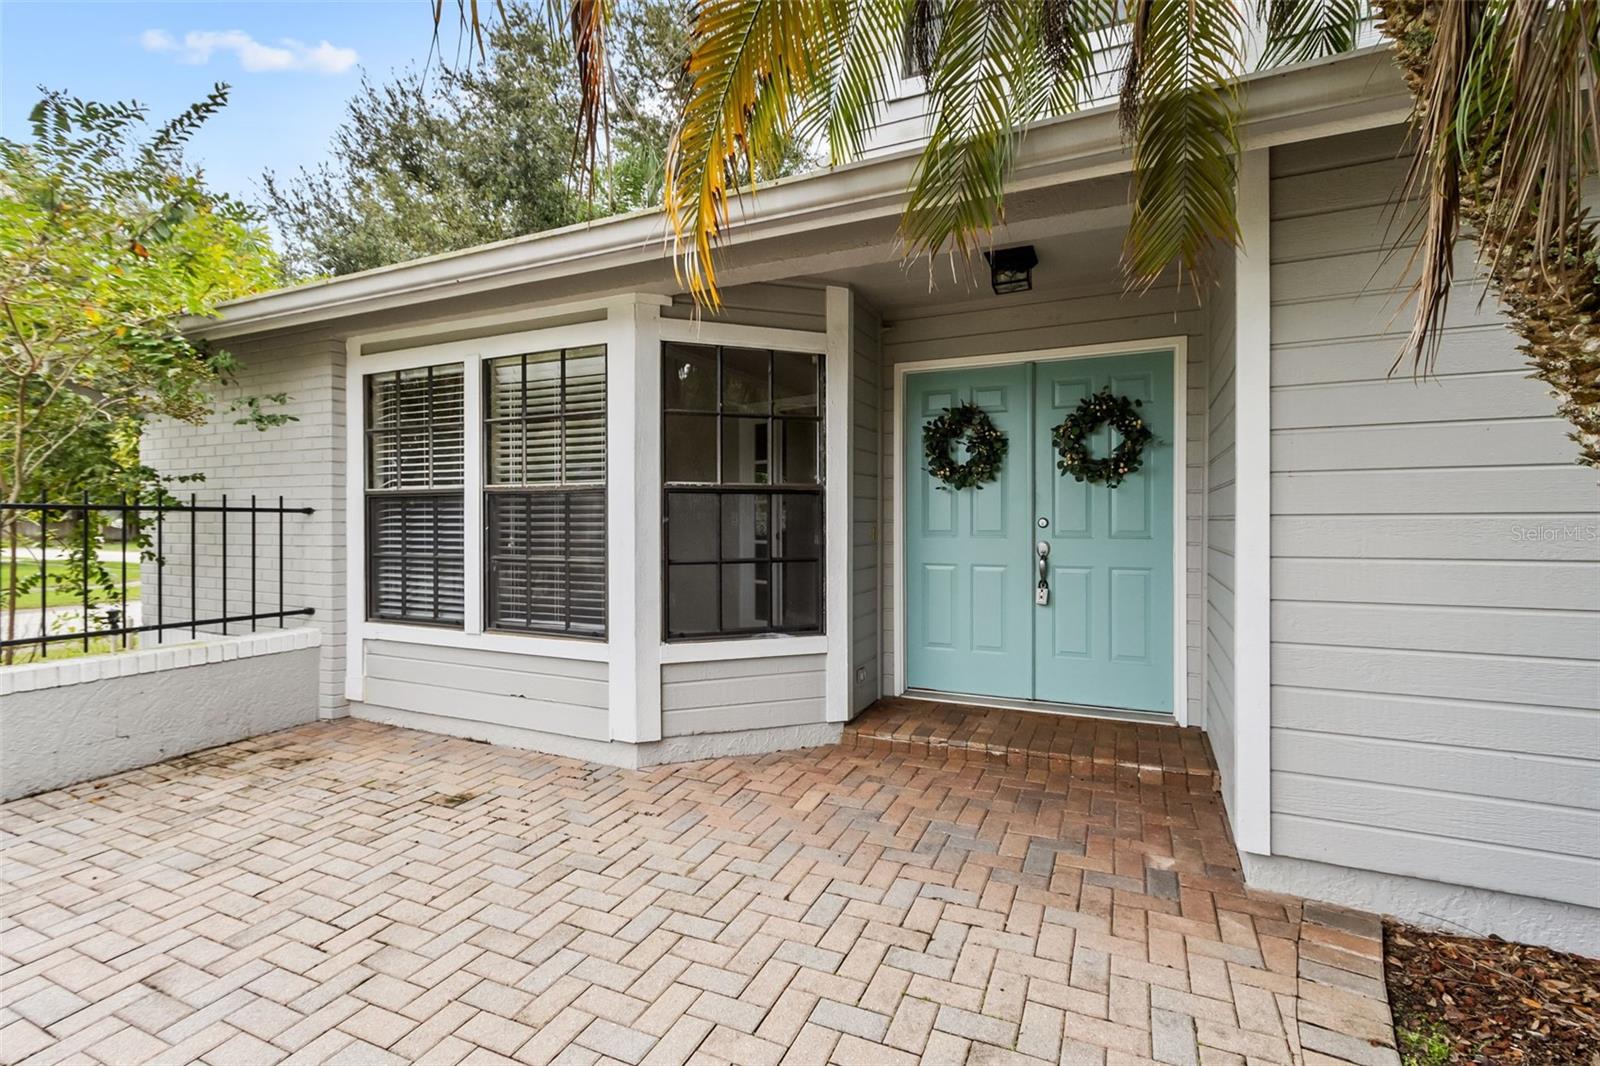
(1105, 639)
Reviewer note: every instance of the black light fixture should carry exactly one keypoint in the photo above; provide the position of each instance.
(1011, 269)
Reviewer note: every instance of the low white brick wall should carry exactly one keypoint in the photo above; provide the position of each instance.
(61, 723)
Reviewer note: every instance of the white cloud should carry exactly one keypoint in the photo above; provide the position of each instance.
(198, 46)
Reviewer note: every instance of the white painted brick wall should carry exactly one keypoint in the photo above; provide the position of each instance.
(303, 461)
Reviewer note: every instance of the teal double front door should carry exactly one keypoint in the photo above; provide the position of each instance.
(1099, 632)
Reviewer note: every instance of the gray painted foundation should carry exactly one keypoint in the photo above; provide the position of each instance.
(610, 753)
(1433, 904)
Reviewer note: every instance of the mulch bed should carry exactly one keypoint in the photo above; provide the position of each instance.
(1465, 1000)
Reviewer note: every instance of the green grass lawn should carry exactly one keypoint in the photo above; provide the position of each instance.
(68, 595)
(73, 649)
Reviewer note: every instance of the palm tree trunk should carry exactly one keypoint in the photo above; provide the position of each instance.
(1552, 301)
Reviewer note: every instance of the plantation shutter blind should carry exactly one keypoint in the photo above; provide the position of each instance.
(415, 477)
(544, 491)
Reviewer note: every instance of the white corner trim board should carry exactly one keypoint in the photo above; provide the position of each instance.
(1252, 594)
(633, 518)
(839, 411)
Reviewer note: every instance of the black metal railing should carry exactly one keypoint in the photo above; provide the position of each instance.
(78, 536)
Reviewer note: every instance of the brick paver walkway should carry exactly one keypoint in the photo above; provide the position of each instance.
(352, 893)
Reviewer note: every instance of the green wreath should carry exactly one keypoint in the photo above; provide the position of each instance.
(1071, 439)
(986, 447)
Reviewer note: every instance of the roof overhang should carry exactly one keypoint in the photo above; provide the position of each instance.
(1361, 90)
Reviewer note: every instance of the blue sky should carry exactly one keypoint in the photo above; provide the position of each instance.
(292, 65)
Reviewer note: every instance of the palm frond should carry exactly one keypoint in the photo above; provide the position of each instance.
(997, 68)
(1298, 30)
(469, 19)
(1435, 175)
(973, 86)
(862, 38)
(1180, 101)
(589, 22)
(1533, 91)
(1068, 32)
(586, 23)
(752, 65)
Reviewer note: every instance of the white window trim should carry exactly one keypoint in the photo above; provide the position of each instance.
(690, 331)
(471, 354)
(1179, 347)
(776, 645)
(547, 645)
(756, 646)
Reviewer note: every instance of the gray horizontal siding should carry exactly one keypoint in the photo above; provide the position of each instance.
(1435, 572)
(720, 697)
(564, 696)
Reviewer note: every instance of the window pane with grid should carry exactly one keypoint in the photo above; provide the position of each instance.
(547, 560)
(414, 428)
(742, 467)
(545, 504)
(415, 572)
(415, 471)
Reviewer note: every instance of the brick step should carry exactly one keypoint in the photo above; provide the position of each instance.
(1158, 754)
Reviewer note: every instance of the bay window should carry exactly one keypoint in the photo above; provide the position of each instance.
(742, 491)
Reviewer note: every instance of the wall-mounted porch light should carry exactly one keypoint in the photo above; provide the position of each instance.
(1011, 269)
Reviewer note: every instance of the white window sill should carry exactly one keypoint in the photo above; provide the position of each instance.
(551, 647)
(762, 647)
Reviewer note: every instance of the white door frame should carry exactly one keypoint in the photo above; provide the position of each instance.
(1179, 346)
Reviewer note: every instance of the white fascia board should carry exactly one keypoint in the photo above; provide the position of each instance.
(1356, 91)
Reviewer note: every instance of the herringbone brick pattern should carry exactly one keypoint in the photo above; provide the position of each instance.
(352, 893)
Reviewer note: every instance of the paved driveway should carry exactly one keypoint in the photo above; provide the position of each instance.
(352, 893)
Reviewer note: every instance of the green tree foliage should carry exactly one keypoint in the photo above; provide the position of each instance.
(460, 154)
(108, 243)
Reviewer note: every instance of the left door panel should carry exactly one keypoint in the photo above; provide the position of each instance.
(969, 593)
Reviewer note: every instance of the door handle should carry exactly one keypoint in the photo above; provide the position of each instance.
(1041, 591)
